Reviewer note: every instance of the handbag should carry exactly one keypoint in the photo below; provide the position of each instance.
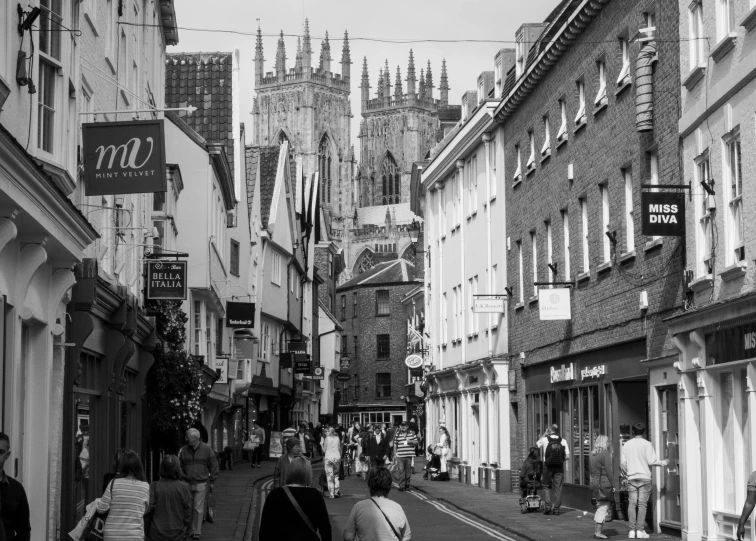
(94, 530)
(210, 505)
(399, 537)
(299, 510)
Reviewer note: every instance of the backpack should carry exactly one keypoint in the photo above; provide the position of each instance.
(555, 453)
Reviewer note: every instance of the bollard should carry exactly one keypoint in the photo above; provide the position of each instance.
(468, 474)
(487, 478)
(503, 480)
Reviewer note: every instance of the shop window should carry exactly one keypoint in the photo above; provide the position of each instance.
(541, 414)
(581, 425)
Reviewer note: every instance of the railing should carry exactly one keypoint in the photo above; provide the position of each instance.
(295, 75)
(403, 101)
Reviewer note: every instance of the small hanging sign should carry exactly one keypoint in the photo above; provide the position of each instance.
(554, 304)
(166, 280)
(663, 214)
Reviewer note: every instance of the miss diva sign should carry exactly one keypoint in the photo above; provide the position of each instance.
(124, 157)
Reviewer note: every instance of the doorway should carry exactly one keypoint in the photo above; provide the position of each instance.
(669, 491)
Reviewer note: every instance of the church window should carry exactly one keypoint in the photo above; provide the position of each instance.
(391, 181)
(325, 162)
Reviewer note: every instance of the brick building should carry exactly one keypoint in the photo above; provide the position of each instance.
(369, 308)
(575, 156)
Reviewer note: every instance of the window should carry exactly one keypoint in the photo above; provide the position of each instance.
(584, 233)
(383, 385)
(442, 212)
(460, 317)
(325, 166)
(735, 225)
(455, 310)
(330, 265)
(580, 417)
(208, 337)
(566, 237)
(219, 336)
(703, 214)
(356, 387)
(601, 94)
(235, 258)
(276, 276)
(456, 183)
(50, 29)
(534, 251)
(354, 305)
(444, 320)
(549, 251)
(518, 158)
(629, 212)
(580, 116)
(473, 316)
(546, 148)
(531, 159)
(356, 351)
(158, 202)
(541, 414)
(292, 278)
(607, 245)
(344, 345)
(474, 183)
(158, 243)
(520, 56)
(521, 278)
(265, 342)
(624, 74)
(725, 18)
(494, 289)
(391, 182)
(697, 53)
(469, 325)
(197, 325)
(382, 302)
(383, 342)
(492, 149)
(46, 105)
(653, 165)
(343, 308)
(562, 133)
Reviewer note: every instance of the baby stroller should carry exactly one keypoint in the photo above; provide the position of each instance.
(529, 499)
(433, 466)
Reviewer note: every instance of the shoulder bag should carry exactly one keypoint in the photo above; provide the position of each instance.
(399, 537)
(298, 509)
(94, 531)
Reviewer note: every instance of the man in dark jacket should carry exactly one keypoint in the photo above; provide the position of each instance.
(14, 506)
(199, 468)
(306, 440)
(377, 447)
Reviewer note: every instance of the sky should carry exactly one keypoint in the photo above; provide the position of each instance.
(495, 20)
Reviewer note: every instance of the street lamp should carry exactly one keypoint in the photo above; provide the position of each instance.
(414, 234)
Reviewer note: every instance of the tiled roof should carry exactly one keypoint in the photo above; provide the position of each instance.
(377, 215)
(253, 155)
(204, 81)
(390, 272)
(268, 158)
(450, 113)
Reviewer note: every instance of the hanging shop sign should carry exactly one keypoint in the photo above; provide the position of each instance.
(562, 373)
(221, 366)
(240, 315)
(554, 304)
(489, 304)
(343, 376)
(732, 344)
(593, 372)
(318, 373)
(344, 363)
(414, 361)
(663, 214)
(124, 157)
(298, 357)
(166, 280)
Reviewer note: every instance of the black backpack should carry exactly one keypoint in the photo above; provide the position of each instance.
(555, 452)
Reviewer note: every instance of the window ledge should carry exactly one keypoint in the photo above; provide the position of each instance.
(235, 273)
(546, 156)
(562, 141)
(695, 75)
(628, 256)
(733, 272)
(533, 299)
(623, 85)
(443, 237)
(468, 217)
(517, 182)
(383, 359)
(493, 198)
(580, 125)
(701, 284)
(110, 63)
(650, 245)
(520, 305)
(600, 107)
(726, 45)
(749, 21)
(531, 170)
(605, 266)
(583, 276)
(474, 214)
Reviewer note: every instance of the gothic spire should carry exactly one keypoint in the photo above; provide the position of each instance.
(298, 58)
(325, 54)
(444, 86)
(422, 84)
(306, 48)
(345, 56)
(411, 80)
(429, 81)
(259, 60)
(387, 80)
(281, 55)
(398, 92)
(380, 82)
(364, 84)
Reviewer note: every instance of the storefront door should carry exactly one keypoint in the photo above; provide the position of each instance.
(670, 489)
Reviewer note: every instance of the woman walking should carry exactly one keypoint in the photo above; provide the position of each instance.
(332, 461)
(171, 500)
(295, 510)
(602, 486)
(126, 499)
(378, 518)
(360, 437)
(442, 450)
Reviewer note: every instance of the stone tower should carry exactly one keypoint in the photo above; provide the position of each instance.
(309, 106)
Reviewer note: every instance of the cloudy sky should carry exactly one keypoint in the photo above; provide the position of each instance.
(416, 20)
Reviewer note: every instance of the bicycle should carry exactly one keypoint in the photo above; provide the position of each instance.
(347, 460)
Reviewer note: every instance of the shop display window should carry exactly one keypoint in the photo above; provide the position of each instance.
(732, 423)
(580, 426)
(541, 413)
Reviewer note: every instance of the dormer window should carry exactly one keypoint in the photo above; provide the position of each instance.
(562, 133)
(546, 148)
(520, 56)
(601, 94)
(580, 116)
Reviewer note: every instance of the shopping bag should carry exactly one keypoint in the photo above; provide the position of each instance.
(323, 480)
(76, 533)
(95, 528)
(210, 506)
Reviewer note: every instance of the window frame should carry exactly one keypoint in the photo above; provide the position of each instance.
(733, 180)
(383, 347)
(518, 172)
(629, 211)
(546, 148)
(703, 215)
(534, 262)
(521, 277)
(624, 74)
(580, 116)
(562, 134)
(234, 265)
(585, 231)
(605, 217)
(383, 388)
(382, 301)
(696, 52)
(601, 99)
(566, 243)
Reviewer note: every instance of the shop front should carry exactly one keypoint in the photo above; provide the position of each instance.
(603, 391)
(715, 395)
(370, 414)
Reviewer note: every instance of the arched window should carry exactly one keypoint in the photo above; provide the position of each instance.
(325, 162)
(282, 137)
(391, 179)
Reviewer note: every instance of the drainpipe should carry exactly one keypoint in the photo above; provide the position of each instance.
(644, 88)
(461, 169)
(440, 281)
(489, 285)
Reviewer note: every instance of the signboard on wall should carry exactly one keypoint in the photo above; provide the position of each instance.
(663, 214)
(166, 280)
(276, 447)
(221, 365)
(240, 315)
(554, 304)
(489, 304)
(731, 344)
(124, 157)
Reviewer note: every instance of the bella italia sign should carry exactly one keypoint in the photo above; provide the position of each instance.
(124, 157)
(166, 280)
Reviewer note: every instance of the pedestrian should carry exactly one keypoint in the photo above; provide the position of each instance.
(14, 507)
(114, 467)
(377, 447)
(258, 435)
(531, 471)
(391, 432)
(295, 510)
(171, 503)
(355, 447)
(404, 449)
(125, 500)
(377, 519)
(289, 432)
(293, 450)
(747, 506)
(442, 450)
(318, 433)
(306, 440)
(199, 467)
(602, 486)
(226, 458)
(332, 461)
(555, 453)
(638, 456)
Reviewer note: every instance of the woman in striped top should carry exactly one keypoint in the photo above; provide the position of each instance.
(126, 499)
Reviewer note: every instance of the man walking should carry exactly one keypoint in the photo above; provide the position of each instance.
(14, 506)
(293, 450)
(259, 435)
(199, 468)
(638, 456)
(404, 445)
(377, 448)
(306, 440)
(555, 453)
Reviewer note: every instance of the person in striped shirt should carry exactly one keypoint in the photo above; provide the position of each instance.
(404, 451)
(126, 498)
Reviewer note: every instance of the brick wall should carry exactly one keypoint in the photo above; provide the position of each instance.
(605, 306)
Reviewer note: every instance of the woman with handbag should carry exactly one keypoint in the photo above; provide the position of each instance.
(442, 451)
(295, 510)
(378, 518)
(170, 504)
(125, 501)
(602, 487)
(332, 461)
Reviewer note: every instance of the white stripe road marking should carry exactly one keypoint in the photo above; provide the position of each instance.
(462, 518)
(417, 495)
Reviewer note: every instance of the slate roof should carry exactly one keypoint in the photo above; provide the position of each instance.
(204, 81)
(389, 272)
(377, 215)
(268, 159)
(450, 113)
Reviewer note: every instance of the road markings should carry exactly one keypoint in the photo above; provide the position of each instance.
(485, 529)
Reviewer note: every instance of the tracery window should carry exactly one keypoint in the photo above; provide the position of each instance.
(325, 162)
(391, 180)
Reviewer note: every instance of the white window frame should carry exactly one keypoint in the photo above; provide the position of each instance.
(442, 210)
(703, 217)
(580, 116)
(275, 276)
(456, 182)
(733, 194)
(531, 159)
(474, 183)
(461, 310)
(606, 243)
(629, 212)
(518, 172)
(562, 133)
(493, 166)
(726, 24)
(566, 245)
(624, 74)
(697, 41)
(470, 320)
(475, 317)
(584, 235)
(519, 56)
(534, 253)
(468, 186)
(445, 320)
(546, 148)
(549, 251)
(48, 63)
(520, 277)
(601, 98)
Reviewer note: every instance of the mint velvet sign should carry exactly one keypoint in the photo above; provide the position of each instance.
(124, 157)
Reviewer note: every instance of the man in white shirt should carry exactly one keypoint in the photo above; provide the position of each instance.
(638, 456)
(553, 473)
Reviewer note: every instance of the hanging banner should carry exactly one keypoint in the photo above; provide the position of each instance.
(166, 280)
(240, 315)
(124, 157)
(489, 304)
(221, 365)
(554, 304)
(663, 214)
